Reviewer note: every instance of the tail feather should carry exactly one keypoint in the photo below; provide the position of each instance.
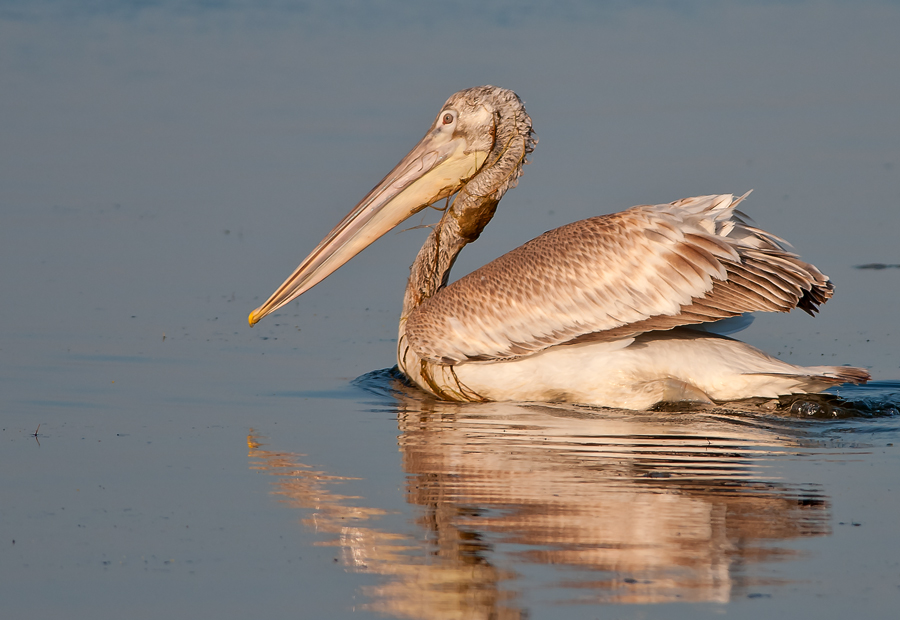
(815, 376)
(841, 374)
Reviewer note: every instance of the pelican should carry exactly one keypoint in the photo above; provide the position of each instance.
(624, 310)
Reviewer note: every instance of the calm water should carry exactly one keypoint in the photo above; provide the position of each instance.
(163, 166)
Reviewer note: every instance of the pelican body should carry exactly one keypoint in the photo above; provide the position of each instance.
(623, 310)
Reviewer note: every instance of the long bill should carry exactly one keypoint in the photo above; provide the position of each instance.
(435, 169)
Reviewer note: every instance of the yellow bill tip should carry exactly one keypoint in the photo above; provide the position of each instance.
(253, 319)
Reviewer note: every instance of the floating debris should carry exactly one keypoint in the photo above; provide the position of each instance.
(877, 266)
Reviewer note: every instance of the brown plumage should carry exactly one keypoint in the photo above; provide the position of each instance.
(614, 276)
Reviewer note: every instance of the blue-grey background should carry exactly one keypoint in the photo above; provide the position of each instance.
(164, 165)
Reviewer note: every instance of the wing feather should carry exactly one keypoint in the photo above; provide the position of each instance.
(649, 268)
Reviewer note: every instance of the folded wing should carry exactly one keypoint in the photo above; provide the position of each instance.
(611, 277)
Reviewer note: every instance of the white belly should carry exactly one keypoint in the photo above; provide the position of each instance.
(680, 365)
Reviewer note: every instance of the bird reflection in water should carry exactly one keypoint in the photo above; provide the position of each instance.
(627, 508)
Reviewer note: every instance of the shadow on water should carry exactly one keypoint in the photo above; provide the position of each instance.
(626, 507)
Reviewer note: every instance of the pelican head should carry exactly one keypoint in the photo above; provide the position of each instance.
(475, 147)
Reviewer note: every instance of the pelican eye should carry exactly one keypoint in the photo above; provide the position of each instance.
(448, 118)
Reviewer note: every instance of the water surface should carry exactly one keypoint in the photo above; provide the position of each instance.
(163, 166)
